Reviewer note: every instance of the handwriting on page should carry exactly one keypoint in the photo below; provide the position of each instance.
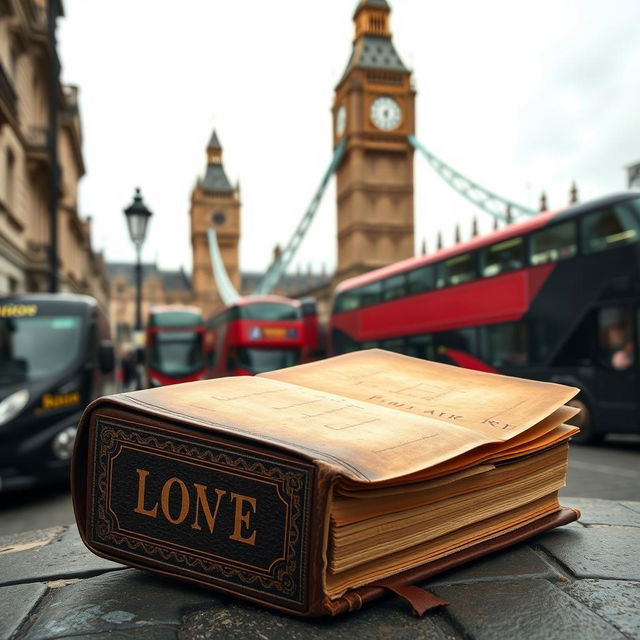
(330, 413)
(378, 433)
(420, 398)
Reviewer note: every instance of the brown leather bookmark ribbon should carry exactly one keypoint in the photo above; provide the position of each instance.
(420, 599)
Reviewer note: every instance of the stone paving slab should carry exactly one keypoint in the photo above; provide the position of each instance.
(62, 556)
(596, 552)
(616, 601)
(15, 605)
(520, 562)
(533, 610)
(607, 512)
(580, 581)
(387, 619)
(118, 600)
(154, 633)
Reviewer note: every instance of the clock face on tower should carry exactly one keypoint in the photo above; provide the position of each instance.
(341, 120)
(218, 218)
(385, 113)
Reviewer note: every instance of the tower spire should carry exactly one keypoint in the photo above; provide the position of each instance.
(372, 18)
(215, 178)
(214, 150)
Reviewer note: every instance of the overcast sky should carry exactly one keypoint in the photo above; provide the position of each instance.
(519, 96)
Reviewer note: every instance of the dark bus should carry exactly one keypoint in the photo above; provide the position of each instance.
(254, 335)
(56, 355)
(554, 298)
(175, 345)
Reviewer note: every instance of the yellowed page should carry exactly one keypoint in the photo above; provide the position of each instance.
(368, 441)
(337, 584)
(496, 406)
(365, 442)
(361, 505)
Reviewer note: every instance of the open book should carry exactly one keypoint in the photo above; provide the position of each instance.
(309, 487)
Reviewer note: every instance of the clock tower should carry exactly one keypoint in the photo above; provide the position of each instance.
(214, 203)
(373, 110)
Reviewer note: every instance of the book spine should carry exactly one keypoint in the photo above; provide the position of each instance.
(187, 503)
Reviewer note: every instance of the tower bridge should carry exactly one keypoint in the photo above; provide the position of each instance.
(373, 145)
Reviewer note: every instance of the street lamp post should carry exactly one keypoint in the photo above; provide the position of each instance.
(138, 216)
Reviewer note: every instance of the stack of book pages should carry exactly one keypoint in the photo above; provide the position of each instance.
(457, 457)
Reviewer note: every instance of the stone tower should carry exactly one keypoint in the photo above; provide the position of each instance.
(214, 203)
(373, 110)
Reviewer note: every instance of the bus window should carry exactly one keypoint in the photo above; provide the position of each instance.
(608, 228)
(393, 344)
(615, 330)
(370, 293)
(370, 344)
(553, 243)
(420, 346)
(269, 311)
(422, 279)
(456, 270)
(501, 257)
(508, 344)
(394, 287)
(346, 301)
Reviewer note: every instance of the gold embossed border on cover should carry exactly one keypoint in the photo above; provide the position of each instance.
(230, 516)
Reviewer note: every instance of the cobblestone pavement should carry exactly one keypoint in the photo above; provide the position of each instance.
(580, 581)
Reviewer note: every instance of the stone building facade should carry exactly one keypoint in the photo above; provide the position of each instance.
(26, 57)
(159, 287)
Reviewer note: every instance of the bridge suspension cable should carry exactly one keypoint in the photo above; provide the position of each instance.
(280, 264)
(488, 201)
(225, 287)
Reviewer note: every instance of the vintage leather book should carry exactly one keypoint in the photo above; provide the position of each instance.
(318, 488)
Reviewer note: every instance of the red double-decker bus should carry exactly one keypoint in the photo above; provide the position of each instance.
(175, 345)
(553, 298)
(254, 335)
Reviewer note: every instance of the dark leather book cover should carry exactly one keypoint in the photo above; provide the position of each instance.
(215, 511)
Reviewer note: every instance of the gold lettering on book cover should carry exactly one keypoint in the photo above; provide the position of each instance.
(176, 505)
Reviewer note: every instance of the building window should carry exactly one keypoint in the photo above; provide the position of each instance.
(10, 178)
(123, 332)
(13, 63)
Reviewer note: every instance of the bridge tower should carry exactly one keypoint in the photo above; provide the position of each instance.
(214, 203)
(373, 109)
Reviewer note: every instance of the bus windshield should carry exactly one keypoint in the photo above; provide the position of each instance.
(268, 311)
(179, 318)
(177, 352)
(261, 360)
(39, 347)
